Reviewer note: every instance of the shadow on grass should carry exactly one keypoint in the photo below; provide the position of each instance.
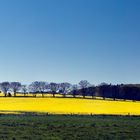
(24, 113)
(70, 97)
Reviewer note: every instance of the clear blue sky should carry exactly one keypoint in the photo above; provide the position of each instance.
(70, 40)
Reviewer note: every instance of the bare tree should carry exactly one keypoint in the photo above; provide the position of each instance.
(74, 90)
(34, 88)
(38, 87)
(5, 86)
(54, 88)
(84, 84)
(15, 86)
(42, 86)
(24, 89)
(104, 89)
(91, 91)
(64, 88)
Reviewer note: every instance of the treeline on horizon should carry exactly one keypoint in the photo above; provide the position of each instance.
(83, 88)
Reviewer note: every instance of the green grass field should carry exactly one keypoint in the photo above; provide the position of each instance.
(66, 127)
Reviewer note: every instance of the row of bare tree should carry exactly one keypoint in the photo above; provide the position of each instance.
(83, 88)
(41, 87)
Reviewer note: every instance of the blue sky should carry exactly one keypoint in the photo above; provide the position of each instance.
(70, 40)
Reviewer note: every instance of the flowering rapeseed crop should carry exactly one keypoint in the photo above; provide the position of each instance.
(69, 105)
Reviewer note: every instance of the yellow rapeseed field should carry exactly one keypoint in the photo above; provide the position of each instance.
(69, 105)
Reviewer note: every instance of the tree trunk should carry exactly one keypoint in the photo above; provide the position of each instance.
(74, 94)
(53, 94)
(34, 95)
(14, 94)
(84, 93)
(43, 95)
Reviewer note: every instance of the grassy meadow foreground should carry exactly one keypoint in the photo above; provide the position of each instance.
(66, 127)
(68, 106)
(27, 118)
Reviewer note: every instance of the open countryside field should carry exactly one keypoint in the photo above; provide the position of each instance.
(66, 127)
(68, 106)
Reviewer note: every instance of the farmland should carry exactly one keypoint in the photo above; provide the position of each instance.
(37, 118)
(66, 127)
(68, 106)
